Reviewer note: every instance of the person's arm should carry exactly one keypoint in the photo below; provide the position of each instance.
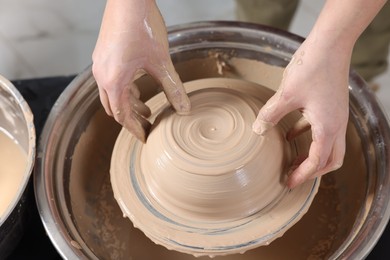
(316, 83)
(133, 41)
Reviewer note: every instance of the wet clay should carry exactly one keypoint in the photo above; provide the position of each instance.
(196, 165)
(13, 162)
(104, 233)
(210, 181)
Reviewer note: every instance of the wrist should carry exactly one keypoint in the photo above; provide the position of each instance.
(330, 43)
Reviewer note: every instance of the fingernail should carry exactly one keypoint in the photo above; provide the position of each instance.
(261, 127)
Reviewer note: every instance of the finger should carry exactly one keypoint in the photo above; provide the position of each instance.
(137, 105)
(271, 113)
(301, 126)
(336, 158)
(125, 105)
(307, 168)
(173, 87)
(319, 153)
(137, 125)
(105, 102)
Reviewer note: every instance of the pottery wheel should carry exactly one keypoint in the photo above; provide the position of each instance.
(204, 183)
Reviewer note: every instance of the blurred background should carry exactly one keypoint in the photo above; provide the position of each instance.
(43, 38)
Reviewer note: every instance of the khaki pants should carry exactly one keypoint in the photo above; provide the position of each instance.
(371, 50)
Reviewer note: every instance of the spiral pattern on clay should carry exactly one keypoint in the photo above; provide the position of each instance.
(209, 165)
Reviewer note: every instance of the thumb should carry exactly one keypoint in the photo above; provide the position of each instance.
(173, 88)
(271, 113)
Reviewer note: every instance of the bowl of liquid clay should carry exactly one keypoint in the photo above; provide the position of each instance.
(17, 156)
(205, 183)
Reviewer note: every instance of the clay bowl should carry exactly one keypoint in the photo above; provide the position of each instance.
(17, 157)
(205, 183)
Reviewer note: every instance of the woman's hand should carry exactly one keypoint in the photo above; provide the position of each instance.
(316, 83)
(133, 41)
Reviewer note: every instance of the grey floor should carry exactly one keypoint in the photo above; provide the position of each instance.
(40, 38)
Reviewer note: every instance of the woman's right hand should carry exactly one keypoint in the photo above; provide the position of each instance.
(316, 83)
(133, 41)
